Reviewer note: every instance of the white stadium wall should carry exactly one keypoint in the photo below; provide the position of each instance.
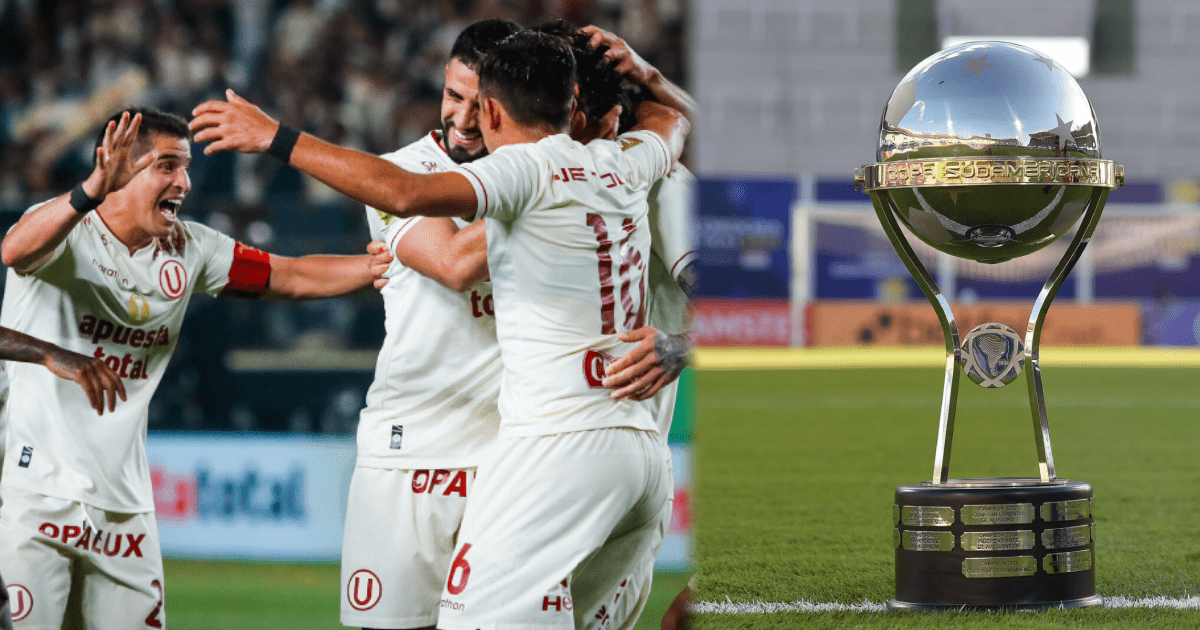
(793, 87)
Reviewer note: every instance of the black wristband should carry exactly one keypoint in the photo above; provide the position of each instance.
(81, 202)
(283, 143)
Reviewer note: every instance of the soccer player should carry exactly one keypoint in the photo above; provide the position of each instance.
(77, 524)
(574, 473)
(663, 347)
(432, 406)
(98, 381)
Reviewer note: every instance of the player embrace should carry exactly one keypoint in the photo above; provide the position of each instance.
(576, 480)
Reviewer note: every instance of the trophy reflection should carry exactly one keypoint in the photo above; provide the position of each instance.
(990, 151)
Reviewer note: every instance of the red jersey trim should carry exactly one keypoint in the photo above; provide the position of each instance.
(400, 233)
(438, 143)
(482, 187)
(250, 272)
(675, 267)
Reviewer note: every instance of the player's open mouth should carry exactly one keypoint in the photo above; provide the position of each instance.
(170, 208)
(464, 139)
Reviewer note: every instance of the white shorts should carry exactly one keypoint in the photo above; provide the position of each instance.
(74, 565)
(401, 527)
(619, 607)
(542, 508)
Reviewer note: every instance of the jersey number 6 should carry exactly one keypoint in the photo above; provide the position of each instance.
(459, 564)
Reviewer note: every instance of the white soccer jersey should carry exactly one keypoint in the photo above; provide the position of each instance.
(673, 247)
(433, 401)
(95, 298)
(568, 238)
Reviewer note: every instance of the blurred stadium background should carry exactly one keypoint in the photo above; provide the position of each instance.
(251, 432)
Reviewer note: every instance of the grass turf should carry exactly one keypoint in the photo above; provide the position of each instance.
(202, 595)
(795, 474)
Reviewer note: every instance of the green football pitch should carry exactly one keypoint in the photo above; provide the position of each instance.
(796, 470)
(204, 595)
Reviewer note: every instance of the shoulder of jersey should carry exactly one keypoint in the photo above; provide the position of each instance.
(191, 229)
(681, 173)
(422, 156)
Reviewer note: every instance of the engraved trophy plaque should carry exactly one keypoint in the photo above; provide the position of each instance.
(989, 151)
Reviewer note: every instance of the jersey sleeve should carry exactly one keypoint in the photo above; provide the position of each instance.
(672, 224)
(59, 250)
(216, 254)
(506, 181)
(647, 154)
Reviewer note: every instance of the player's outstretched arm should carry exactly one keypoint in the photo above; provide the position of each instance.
(656, 360)
(323, 276)
(239, 125)
(437, 249)
(637, 70)
(37, 233)
(97, 379)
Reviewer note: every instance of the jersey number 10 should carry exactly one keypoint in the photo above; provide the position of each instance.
(604, 251)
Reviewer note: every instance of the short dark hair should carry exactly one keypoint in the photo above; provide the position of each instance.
(533, 75)
(153, 122)
(479, 39)
(601, 87)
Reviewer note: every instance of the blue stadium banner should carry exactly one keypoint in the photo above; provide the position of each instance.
(1171, 322)
(744, 232)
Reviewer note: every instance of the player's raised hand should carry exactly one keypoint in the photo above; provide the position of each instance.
(93, 375)
(655, 361)
(628, 62)
(115, 165)
(379, 262)
(232, 125)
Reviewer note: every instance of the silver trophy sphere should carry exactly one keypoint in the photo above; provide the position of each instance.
(989, 151)
(1003, 104)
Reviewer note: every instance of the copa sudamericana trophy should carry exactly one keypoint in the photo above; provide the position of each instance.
(989, 151)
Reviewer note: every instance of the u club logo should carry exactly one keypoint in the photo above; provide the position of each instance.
(21, 601)
(172, 279)
(363, 590)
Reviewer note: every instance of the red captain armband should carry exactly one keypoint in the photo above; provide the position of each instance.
(249, 273)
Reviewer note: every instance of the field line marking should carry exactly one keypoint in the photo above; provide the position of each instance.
(1184, 603)
(932, 356)
(766, 608)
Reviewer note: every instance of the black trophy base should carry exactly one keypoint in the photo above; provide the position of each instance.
(994, 544)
